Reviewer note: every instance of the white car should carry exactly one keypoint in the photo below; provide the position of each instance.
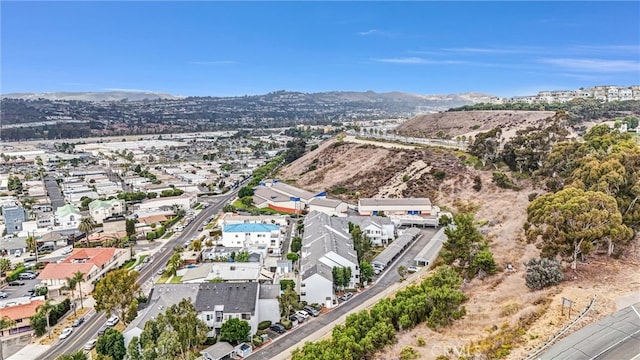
(65, 333)
(303, 314)
(18, 253)
(90, 344)
(112, 321)
(412, 269)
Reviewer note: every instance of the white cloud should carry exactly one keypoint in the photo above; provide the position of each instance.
(606, 49)
(127, 90)
(419, 60)
(215, 62)
(368, 32)
(593, 65)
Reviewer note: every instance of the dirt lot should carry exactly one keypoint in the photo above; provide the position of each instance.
(493, 301)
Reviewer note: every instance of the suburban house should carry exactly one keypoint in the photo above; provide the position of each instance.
(102, 209)
(380, 230)
(218, 351)
(253, 235)
(92, 262)
(214, 302)
(185, 202)
(19, 312)
(395, 206)
(14, 216)
(326, 244)
(219, 302)
(68, 216)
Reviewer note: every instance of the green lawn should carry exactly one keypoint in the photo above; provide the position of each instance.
(168, 235)
(176, 280)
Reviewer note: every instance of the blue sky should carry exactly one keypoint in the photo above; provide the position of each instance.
(238, 48)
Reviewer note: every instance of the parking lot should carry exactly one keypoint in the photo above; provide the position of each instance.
(14, 292)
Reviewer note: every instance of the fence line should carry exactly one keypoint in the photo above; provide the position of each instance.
(549, 342)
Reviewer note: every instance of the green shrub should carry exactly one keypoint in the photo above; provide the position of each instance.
(286, 323)
(477, 183)
(542, 273)
(406, 177)
(264, 324)
(439, 174)
(502, 180)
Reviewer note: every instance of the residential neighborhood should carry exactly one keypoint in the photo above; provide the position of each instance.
(95, 209)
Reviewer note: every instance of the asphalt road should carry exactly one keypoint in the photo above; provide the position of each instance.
(387, 278)
(89, 329)
(616, 337)
(54, 192)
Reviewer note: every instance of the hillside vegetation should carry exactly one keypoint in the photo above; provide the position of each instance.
(510, 185)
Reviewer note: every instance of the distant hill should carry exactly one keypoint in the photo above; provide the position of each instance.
(93, 96)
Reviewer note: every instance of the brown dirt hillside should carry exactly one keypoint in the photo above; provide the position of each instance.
(364, 169)
(469, 123)
(352, 170)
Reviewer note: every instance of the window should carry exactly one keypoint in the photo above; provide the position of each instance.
(303, 285)
(303, 293)
(246, 316)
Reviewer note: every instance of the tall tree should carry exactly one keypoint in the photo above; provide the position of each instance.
(235, 331)
(115, 291)
(86, 226)
(45, 309)
(573, 221)
(71, 286)
(78, 278)
(366, 271)
(111, 344)
(288, 301)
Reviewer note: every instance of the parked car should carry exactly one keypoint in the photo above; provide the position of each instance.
(3, 295)
(18, 253)
(16, 283)
(67, 251)
(412, 269)
(311, 310)
(161, 271)
(302, 314)
(277, 328)
(296, 319)
(65, 333)
(112, 321)
(346, 296)
(27, 276)
(77, 322)
(103, 329)
(138, 267)
(90, 344)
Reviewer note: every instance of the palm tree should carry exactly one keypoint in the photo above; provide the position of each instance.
(46, 308)
(71, 285)
(5, 323)
(78, 277)
(174, 264)
(86, 226)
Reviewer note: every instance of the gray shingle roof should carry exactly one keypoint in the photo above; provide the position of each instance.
(324, 234)
(235, 297)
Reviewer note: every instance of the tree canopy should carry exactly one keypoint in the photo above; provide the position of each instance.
(111, 344)
(572, 222)
(235, 331)
(175, 334)
(116, 291)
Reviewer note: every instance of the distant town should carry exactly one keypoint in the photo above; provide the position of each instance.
(601, 93)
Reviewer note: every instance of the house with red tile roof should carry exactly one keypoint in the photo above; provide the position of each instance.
(92, 262)
(20, 314)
